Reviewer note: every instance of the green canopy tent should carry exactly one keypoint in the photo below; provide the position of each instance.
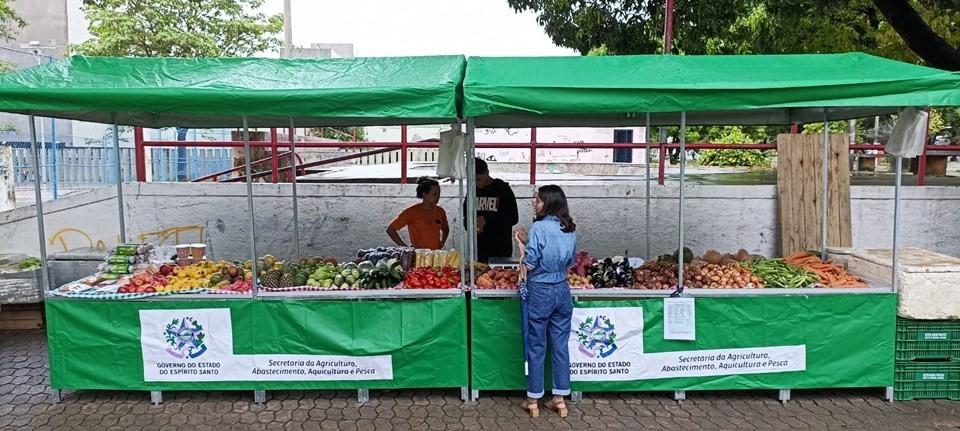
(734, 89)
(703, 90)
(234, 92)
(215, 92)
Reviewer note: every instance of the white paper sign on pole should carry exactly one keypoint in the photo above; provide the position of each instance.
(196, 345)
(679, 319)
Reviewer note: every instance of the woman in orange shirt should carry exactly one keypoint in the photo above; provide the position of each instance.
(426, 222)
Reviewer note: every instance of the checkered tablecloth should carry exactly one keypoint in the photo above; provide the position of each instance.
(92, 294)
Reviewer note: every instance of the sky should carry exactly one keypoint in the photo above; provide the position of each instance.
(403, 27)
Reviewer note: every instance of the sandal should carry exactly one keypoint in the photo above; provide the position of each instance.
(531, 407)
(558, 406)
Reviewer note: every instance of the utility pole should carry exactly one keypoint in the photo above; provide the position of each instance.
(287, 30)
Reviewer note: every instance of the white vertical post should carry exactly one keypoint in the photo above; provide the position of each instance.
(252, 222)
(293, 184)
(119, 171)
(683, 171)
(471, 196)
(825, 186)
(896, 223)
(461, 238)
(38, 195)
(646, 140)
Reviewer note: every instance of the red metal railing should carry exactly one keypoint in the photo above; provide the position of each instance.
(404, 145)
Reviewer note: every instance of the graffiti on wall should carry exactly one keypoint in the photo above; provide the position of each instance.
(70, 238)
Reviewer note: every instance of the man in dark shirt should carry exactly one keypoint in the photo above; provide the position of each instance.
(496, 215)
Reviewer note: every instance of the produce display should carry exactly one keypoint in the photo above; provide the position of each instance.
(655, 274)
(712, 271)
(830, 274)
(432, 278)
(611, 272)
(499, 278)
(437, 259)
(320, 273)
(577, 276)
(167, 278)
(405, 255)
(703, 275)
(780, 274)
(133, 269)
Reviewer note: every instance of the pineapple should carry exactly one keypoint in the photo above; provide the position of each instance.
(271, 279)
(286, 280)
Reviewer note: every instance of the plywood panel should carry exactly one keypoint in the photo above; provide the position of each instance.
(799, 189)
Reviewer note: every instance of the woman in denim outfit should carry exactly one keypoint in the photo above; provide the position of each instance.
(548, 252)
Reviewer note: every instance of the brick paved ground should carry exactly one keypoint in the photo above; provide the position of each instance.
(24, 404)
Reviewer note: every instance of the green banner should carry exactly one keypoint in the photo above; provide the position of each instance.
(848, 341)
(98, 344)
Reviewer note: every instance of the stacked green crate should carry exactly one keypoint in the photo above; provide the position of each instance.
(928, 359)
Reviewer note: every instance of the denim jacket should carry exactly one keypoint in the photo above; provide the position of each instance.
(549, 251)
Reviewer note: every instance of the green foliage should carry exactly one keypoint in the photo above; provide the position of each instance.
(179, 28)
(343, 134)
(736, 26)
(10, 21)
(599, 51)
(733, 135)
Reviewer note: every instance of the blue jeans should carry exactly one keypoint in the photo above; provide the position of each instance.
(549, 308)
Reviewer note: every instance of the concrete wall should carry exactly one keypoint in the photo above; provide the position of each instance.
(338, 219)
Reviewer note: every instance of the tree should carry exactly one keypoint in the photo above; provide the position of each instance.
(343, 134)
(179, 28)
(733, 135)
(909, 30)
(10, 21)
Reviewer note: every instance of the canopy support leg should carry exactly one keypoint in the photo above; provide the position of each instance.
(824, 186)
(251, 222)
(895, 282)
(118, 170)
(471, 197)
(293, 184)
(38, 195)
(646, 140)
(683, 172)
(784, 395)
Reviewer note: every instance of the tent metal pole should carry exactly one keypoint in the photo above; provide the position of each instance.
(683, 171)
(293, 184)
(471, 196)
(896, 223)
(461, 238)
(825, 186)
(41, 234)
(118, 170)
(252, 222)
(646, 155)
